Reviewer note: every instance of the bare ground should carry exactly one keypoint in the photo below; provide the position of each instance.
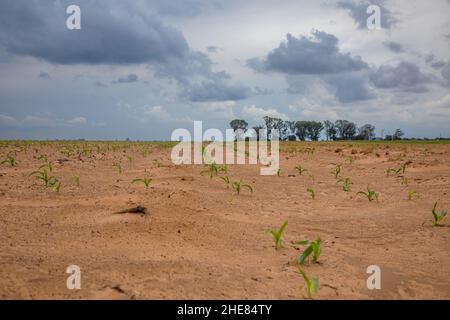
(199, 241)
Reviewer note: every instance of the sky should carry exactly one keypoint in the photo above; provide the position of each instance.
(140, 69)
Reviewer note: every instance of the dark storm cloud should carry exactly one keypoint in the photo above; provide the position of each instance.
(318, 54)
(115, 33)
(349, 88)
(129, 79)
(44, 75)
(187, 8)
(394, 46)
(358, 11)
(435, 63)
(199, 81)
(445, 72)
(216, 91)
(112, 32)
(346, 87)
(405, 76)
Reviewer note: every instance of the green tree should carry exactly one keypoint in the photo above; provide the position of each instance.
(367, 132)
(238, 124)
(330, 130)
(398, 134)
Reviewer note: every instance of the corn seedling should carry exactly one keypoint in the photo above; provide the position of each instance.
(276, 234)
(43, 157)
(345, 184)
(312, 284)
(130, 159)
(403, 168)
(213, 170)
(11, 160)
(223, 168)
(57, 186)
(370, 194)
(437, 216)
(390, 170)
(48, 166)
(313, 248)
(405, 181)
(279, 172)
(67, 151)
(412, 193)
(118, 167)
(300, 169)
(226, 180)
(76, 179)
(42, 174)
(337, 171)
(145, 181)
(204, 155)
(238, 186)
(312, 193)
(398, 171)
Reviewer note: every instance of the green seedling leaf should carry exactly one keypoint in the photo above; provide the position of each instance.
(238, 186)
(312, 284)
(438, 216)
(276, 234)
(145, 181)
(312, 193)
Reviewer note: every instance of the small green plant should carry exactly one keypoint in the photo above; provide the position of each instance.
(437, 216)
(312, 284)
(118, 167)
(404, 181)
(223, 168)
(226, 180)
(130, 159)
(312, 193)
(313, 247)
(48, 166)
(43, 157)
(43, 174)
(204, 155)
(412, 194)
(67, 151)
(300, 169)
(398, 171)
(337, 171)
(76, 179)
(403, 168)
(212, 169)
(345, 184)
(11, 160)
(279, 172)
(370, 194)
(57, 186)
(145, 181)
(276, 234)
(390, 170)
(238, 186)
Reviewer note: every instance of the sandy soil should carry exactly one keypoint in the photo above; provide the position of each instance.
(199, 241)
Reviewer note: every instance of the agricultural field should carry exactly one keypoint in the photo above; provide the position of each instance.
(225, 232)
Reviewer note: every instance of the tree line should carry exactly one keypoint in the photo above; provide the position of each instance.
(312, 130)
